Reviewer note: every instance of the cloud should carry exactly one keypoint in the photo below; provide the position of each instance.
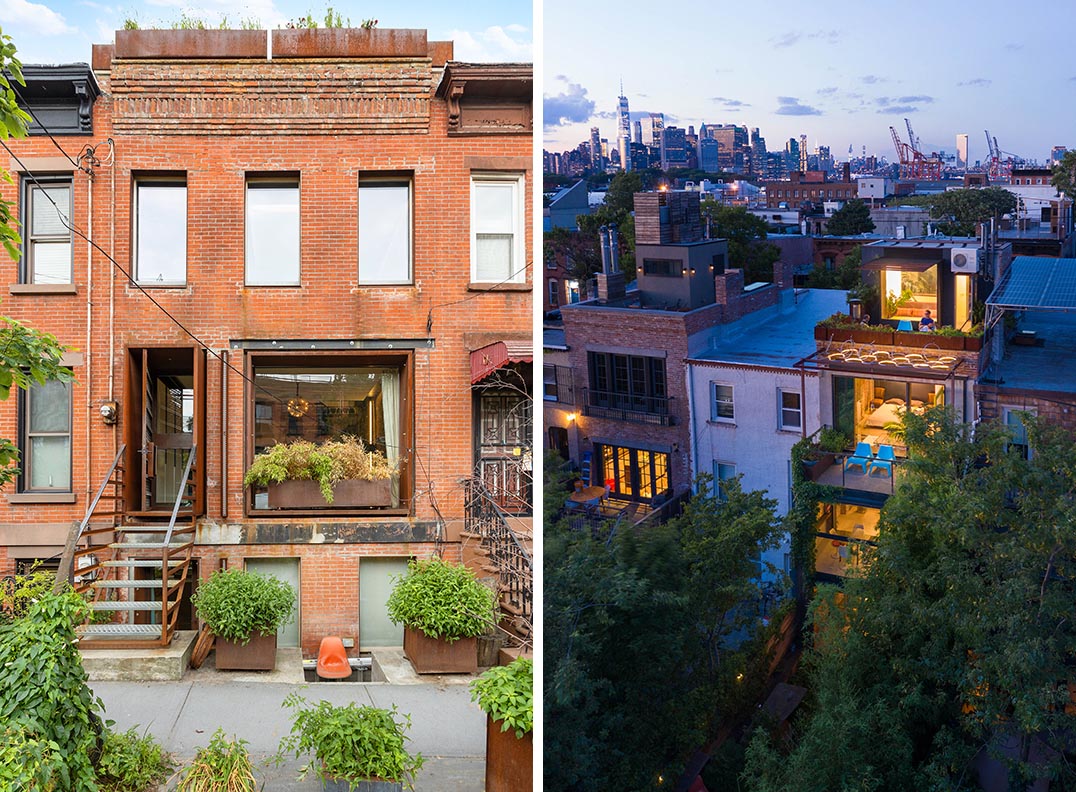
(1013, 46)
(570, 106)
(827, 91)
(901, 104)
(791, 38)
(872, 79)
(914, 99)
(495, 44)
(729, 103)
(978, 82)
(790, 105)
(898, 109)
(34, 17)
(785, 40)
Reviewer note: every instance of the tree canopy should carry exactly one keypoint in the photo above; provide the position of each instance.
(746, 235)
(851, 219)
(1064, 176)
(958, 639)
(961, 211)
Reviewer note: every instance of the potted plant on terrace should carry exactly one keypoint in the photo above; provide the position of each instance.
(303, 474)
(355, 747)
(244, 610)
(506, 695)
(443, 608)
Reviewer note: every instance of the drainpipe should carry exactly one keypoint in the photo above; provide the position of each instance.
(223, 437)
(89, 328)
(112, 302)
(692, 417)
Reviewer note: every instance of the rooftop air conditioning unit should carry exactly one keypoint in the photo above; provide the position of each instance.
(965, 260)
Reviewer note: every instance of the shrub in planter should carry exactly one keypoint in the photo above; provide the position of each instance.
(131, 763)
(443, 608)
(327, 464)
(351, 744)
(222, 766)
(506, 695)
(240, 606)
(833, 440)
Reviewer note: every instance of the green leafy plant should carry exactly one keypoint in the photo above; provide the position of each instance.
(236, 604)
(351, 743)
(44, 695)
(833, 440)
(506, 694)
(222, 766)
(441, 600)
(27, 762)
(327, 464)
(131, 763)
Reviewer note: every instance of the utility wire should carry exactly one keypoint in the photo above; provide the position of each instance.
(45, 129)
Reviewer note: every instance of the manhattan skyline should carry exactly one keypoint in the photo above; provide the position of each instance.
(841, 74)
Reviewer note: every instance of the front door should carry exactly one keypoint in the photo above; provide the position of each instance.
(164, 419)
(504, 448)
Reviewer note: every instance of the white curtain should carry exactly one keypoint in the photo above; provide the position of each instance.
(390, 406)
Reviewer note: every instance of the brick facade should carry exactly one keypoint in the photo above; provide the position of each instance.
(328, 118)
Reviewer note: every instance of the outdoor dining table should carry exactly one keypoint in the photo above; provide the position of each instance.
(588, 496)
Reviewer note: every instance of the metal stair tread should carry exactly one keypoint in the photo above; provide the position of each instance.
(106, 584)
(142, 562)
(146, 545)
(119, 630)
(141, 605)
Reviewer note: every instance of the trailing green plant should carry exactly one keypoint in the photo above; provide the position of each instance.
(442, 600)
(327, 464)
(351, 743)
(506, 694)
(28, 763)
(131, 763)
(44, 695)
(236, 604)
(222, 766)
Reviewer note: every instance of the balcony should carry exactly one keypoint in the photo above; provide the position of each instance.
(860, 487)
(628, 407)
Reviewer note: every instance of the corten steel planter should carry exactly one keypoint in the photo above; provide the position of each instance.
(820, 466)
(509, 759)
(438, 656)
(257, 655)
(366, 785)
(973, 343)
(349, 493)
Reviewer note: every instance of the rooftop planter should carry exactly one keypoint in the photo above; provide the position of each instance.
(348, 43)
(342, 473)
(840, 327)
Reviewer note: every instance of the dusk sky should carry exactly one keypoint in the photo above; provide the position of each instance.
(840, 72)
(61, 31)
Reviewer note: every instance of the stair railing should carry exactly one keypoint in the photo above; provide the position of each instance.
(170, 610)
(73, 551)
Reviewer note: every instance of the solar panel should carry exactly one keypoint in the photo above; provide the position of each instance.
(1033, 282)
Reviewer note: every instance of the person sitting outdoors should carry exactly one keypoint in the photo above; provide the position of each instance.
(926, 322)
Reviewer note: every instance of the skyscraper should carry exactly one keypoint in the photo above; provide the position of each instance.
(803, 153)
(637, 132)
(623, 136)
(595, 149)
(962, 150)
(657, 125)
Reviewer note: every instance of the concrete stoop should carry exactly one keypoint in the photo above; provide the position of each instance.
(166, 664)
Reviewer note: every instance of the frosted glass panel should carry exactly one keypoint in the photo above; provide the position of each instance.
(52, 262)
(494, 207)
(385, 233)
(162, 233)
(50, 408)
(272, 235)
(494, 257)
(50, 463)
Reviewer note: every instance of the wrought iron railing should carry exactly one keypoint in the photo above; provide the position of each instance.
(628, 407)
(504, 549)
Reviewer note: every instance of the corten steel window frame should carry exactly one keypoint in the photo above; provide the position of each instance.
(30, 187)
(287, 180)
(383, 181)
(168, 180)
(517, 267)
(404, 360)
(27, 434)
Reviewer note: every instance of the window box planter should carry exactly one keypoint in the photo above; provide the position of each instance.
(509, 759)
(258, 654)
(954, 343)
(821, 333)
(349, 493)
(814, 468)
(438, 656)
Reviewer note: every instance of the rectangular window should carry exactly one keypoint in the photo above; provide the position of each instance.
(46, 219)
(666, 268)
(791, 412)
(272, 232)
(549, 382)
(554, 292)
(497, 252)
(723, 471)
(325, 397)
(384, 231)
(557, 381)
(721, 408)
(1020, 444)
(634, 473)
(627, 382)
(46, 438)
(161, 232)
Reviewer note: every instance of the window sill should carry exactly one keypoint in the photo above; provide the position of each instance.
(491, 287)
(43, 288)
(41, 497)
(721, 422)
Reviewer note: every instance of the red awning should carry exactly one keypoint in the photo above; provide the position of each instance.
(489, 358)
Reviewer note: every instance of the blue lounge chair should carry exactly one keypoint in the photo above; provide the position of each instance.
(905, 324)
(861, 458)
(884, 460)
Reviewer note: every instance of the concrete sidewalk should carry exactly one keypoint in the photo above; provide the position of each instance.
(446, 728)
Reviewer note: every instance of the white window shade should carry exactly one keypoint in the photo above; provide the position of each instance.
(497, 229)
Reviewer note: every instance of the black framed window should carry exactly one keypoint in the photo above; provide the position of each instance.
(46, 220)
(45, 438)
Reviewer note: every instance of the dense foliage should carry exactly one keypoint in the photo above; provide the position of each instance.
(222, 766)
(746, 235)
(958, 639)
(961, 211)
(851, 219)
(236, 604)
(641, 659)
(131, 762)
(442, 600)
(506, 694)
(327, 464)
(351, 743)
(47, 709)
(1064, 175)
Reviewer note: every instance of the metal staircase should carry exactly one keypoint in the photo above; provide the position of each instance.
(136, 572)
